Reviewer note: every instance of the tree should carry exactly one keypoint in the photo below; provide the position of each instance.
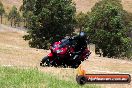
(27, 9)
(82, 20)
(14, 16)
(28, 5)
(51, 20)
(2, 11)
(17, 20)
(106, 28)
(129, 33)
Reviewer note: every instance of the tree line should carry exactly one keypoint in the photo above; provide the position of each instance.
(108, 25)
(14, 16)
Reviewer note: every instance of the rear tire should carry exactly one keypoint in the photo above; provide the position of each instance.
(45, 61)
(76, 64)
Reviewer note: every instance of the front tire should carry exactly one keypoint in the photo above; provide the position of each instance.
(45, 61)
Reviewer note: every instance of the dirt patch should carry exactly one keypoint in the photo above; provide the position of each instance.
(81, 5)
(86, 5)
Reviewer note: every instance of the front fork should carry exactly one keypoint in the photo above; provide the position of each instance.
(52, 59)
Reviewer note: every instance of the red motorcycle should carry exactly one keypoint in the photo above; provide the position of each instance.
(63, 54)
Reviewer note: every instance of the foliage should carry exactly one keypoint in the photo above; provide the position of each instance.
(26, 9)
(82, 20)
(51, 20)
(129, 29)
(129, 33)
(27, 5)
(18, 19)
(2, 10)
(106, 28)
(14, 16)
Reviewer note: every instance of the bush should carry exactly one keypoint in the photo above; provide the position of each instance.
(107, 29)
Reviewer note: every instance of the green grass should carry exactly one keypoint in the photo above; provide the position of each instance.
(11, 77)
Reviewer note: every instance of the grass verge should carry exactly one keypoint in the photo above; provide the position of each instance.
(12, 77)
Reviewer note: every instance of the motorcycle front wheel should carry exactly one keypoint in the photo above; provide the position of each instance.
(45, 61)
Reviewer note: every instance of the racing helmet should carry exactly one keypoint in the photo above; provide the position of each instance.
(82, 35)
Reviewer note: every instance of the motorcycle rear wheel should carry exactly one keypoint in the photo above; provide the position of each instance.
(76, 64)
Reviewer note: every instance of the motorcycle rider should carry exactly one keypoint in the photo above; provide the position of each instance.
(81, 44)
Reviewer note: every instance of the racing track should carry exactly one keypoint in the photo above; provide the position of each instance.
(15, 52)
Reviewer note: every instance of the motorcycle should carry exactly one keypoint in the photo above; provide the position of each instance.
(63, 54)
